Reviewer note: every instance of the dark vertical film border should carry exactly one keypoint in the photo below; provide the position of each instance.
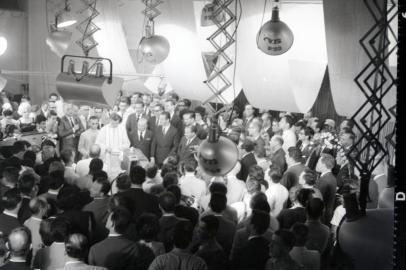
(400, 188)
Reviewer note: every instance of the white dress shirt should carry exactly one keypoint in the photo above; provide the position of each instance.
(190, 185)
(289, 139)
(277, 196)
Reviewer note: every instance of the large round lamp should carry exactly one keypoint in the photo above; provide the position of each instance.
(217, 155)
(275, 36)
(58, 41)
(65, 18)
(154, 48)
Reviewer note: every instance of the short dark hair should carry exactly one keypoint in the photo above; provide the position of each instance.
(260, 220)
(304, 195)
(167, 201)
(300, 231)
(116, 117)
(275, 173)
(167, 168)
(190, 165)
(37, 204)
(212, 224)
(349, 123)
(328, 160)
(200, 110)
(76, 246)
(315, 208)
(170, 178)
(121, 219)
(123, 181)
(40, 118)
(56, 180)
(105, 185)
(175, 190)
(278, 139)
(125, 100)
(137, 175)
(310, 176)
(10, 175)
(99, 174)
(151, 171)
(295, 153)
(166, 114)
(30, 155)
(26, 184)
(256, 172)
(66, 155)
(218, 202)
(287, 237)
(260, 202)
(95, 165)
(147, 226)
(11, 198)
(183, 233)
(288, 119)
(218, 187)
(60, 228)
(308, 131)
(19, 146)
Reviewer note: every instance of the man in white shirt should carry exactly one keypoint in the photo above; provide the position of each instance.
(190, 185)
(236, 188)
(82, 167)
(276, 193)
(88, 138)
(288, 135)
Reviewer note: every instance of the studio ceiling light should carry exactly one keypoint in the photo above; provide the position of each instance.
(275, 36)
(3, 45)
(65, 18)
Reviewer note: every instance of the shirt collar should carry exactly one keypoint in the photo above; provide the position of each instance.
(294, 164)
(254, 236)
(323, 174)
(8, 213)
(114, 235)
(17, 260)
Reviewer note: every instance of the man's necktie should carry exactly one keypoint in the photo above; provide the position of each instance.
(141, 137)
(71, 121)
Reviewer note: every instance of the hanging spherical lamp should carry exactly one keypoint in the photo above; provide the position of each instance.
(217, 155)
(154, 49)
(58, 41)
(275, 36)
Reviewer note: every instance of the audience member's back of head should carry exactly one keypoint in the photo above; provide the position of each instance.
(295, 153)
(147, 226)
(60, 229)
(10, 175)
(11, 199)
(287, 237)
(99, 174)
(218, 187)
(183, 233)
(260, 202)
(94, 151)
(167, 168)
(95, 165)
(167, 201)
(175, 190)
(190, 165)
(300, 231)
(137, 175)
(27, 184)
(314, 208)
(275, 173)
(304, 195)
(218, 202)
(45, 231)
(19, 241)
(68, 198)
(170, 179)
(151, 170)
(37, 205)
(260, 221)
(76, 246)
(123, 182)
(66, 155)
(211, 224)
(120, 219)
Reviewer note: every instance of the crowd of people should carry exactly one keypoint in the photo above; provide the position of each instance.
(70, 203)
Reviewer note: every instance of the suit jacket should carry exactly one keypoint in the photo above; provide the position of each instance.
(185, 150)
(24, 213)
(327, 184)
(119, 253)
(278, 158)
(164, 145)
(254, 254)
(291, 176)
(132, 122)
(225, 234)
(7, 224)
(145, 144)
(246, 162)
(141, 202)
(306, 151)
(177, 123)
(152, 123)
(69, 139)
(15, 266)
(167, 226)
(81, 266)
(260, 145)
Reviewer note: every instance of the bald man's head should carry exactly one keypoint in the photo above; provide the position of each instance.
(94, 151)
(19, 241)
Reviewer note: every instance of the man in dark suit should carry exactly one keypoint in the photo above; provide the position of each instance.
(166, 140)
(267, 124)
(305, 143)
(141, 201)
(116, 252)
(226, 231)
(188, 143)
(254, 133)
(327, 184)
(168, 221)
(132, 120)
(248, 116)
(247, 160)
(11, 202)
(175, 120)
(153, 121)
(141, 137)
(69, 129)
(277, 152)
(291, 176)
(28, 189)
(255, 252)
